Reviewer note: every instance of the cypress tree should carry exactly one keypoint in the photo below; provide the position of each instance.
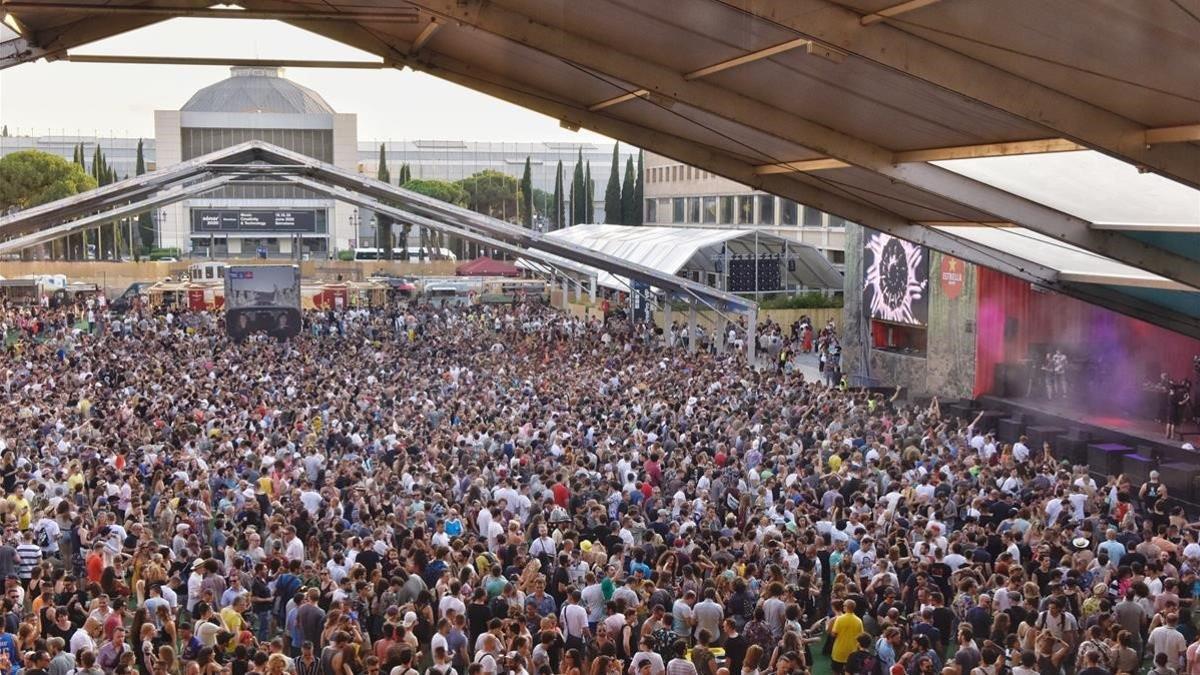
(383, 224)
(405, 174)
(589, 215)
(639, 192)
(612, 193)
(527, 196)
(628, 207)
(578, 193)
(382, 173)
(556, 211)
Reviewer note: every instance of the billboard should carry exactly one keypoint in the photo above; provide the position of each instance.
(895, 280)
(253, 220)
(262, 299)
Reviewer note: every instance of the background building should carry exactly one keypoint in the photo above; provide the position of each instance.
(682, 195)
(256, 103)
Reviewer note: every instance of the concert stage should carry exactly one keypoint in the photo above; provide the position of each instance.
(1106, 444)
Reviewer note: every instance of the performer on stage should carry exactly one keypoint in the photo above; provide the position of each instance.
(1180, 397)
(1059, 365)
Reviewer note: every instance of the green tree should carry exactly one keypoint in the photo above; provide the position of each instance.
(589, 208)
(612, 192)
(439, 189)
(405, 174)
(143, 234)
(639, 192)
(557, 215)
(527, 196)
(31, 177)
(578, 191)
(491, 193)
(4, 131)
(383, 224)
(382, 172)
(628, 187)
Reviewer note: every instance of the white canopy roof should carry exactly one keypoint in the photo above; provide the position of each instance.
(668, 249)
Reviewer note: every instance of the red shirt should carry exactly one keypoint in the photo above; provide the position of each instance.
(561, 494)
(653, 471)
(95, 567)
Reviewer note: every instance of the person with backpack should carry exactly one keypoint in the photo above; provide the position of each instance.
(864, 660)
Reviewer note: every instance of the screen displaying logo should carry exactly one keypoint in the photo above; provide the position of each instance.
(896, 280)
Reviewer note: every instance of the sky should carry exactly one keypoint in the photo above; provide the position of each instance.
(120, 100)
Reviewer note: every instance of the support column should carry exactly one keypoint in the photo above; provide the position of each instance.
(578, 291)
(667, 320)
(693, 339)
(752, 336)
(566, 290)
(592, 290)
(721, 329)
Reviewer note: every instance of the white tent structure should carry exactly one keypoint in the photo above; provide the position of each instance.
(703, 255)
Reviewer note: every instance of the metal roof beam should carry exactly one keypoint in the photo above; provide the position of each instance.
(397, 15)
(556, 41)
(750, 57)
(894, 10)
(220, 61)
(351, 197)
(1073, 118)
(609, 102)
(18, 244)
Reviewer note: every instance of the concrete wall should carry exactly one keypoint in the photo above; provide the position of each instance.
(116, 277)
(948, 367)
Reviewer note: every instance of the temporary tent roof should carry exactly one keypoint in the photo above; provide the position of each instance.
(668, 250)
(484, 266)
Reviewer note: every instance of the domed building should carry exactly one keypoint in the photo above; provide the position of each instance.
(280, 221)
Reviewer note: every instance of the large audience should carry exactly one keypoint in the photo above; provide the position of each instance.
(513, 491)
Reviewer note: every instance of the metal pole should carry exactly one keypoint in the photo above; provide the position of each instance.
(756, 292)
(667, 320)
(722, 322)
(692, 341)
(751, 336)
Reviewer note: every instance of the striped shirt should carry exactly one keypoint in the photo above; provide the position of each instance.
(29, 555)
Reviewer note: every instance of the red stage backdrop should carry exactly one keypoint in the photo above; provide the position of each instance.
(1013, 316)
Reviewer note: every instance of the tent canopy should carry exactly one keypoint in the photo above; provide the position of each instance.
(670, 249)
(485, 266)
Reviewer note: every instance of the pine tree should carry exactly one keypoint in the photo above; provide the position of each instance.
(556, 214)
(639, 192)
(612, 193)
(4, 131)
(405, 174)
(590, 215)
(527, 195)
(628, 207)
(578, 192)
(383, 224)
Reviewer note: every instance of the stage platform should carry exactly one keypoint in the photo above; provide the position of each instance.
(1106, 444)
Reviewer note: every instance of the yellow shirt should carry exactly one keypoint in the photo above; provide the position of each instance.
(267, 486)
(846, 629)
(233, 620)
(20, 506)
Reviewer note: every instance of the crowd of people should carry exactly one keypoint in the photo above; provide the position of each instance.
(514, 491)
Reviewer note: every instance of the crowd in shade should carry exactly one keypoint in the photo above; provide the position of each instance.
(515, 491)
